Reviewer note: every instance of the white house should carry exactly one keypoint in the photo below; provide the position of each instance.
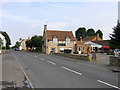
(3, 40)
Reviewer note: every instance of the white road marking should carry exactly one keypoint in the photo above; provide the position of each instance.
(42, 59)
(51, 62)
(72, 70)
(108, 84)
(35, 56)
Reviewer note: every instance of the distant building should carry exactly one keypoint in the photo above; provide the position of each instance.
(92, 38)
(105, 45)
(58, 41)
(23, 45)
(3, 40)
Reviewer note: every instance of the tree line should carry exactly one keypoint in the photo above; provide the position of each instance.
(35, 43)
(82, 32)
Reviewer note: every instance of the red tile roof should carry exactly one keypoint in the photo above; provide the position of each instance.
(61, 35)
(81, 42)
(88, 38)
(102, 42)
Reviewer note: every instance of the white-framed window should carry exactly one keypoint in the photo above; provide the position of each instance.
(83, 48)
(55, 40)
(67, 40)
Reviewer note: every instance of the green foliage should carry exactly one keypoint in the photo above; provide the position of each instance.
(81, 32)
(115, 37)
(90, 32)
(17, 44)
(88, 49)
(28, 43)
(4, 48)
(100, 34)
(1, 42)
(36, 41)
(7, 38)
(38, 49)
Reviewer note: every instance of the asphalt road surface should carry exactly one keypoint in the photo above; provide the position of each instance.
(50, 71)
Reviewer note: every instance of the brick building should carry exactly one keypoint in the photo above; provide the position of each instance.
(92, 38)
(58, 41)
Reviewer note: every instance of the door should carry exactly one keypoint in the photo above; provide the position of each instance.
(79, 50)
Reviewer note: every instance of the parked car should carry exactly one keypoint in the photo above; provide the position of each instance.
(16, 49)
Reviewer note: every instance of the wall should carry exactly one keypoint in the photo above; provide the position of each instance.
(114, 61)
(84, 45)
(51, 44)
(79, 57)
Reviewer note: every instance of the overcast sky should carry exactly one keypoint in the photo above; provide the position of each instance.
(25, 19)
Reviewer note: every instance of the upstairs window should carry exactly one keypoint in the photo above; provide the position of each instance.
(55, 40)
(67, 40)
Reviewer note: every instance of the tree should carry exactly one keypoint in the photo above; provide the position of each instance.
(90, 32)
(80, 32)
(28, 43)
(17, 44)
(1, 43)
(36, 41)
(100, 34)
(115, 37)
(7, 38)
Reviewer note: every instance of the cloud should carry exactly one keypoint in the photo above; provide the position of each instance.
(60, 0)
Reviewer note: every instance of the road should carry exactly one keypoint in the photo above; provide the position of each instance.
(50, 71)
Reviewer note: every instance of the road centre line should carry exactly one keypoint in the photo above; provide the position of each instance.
(35, 56)
(51, 62)
(71, 70)
(41, 58)
(108, 84)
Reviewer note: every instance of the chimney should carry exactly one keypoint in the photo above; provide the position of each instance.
(97, 36)
(80, 38)
(45, 27)
(28, 38)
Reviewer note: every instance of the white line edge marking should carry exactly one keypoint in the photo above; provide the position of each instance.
(108, 84)
(72, 70)
(51, 62)
(42, 59)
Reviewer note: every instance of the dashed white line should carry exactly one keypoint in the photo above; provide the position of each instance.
(71, 70)
(35, 56)
(51, 62)
(108, 84)
(42, 59)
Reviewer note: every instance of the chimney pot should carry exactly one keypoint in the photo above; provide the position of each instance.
(45, 27)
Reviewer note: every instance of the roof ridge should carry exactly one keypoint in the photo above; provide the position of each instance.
(58, 31)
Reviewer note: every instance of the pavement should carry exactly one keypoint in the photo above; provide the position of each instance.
(51, 71)
(12, 74)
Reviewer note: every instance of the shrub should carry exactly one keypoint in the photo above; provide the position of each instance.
(3, 48)
(38, 49)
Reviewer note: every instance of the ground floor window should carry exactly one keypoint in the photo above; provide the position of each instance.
(67, 51)
(53, 49)
(83, 48)
(79, 48)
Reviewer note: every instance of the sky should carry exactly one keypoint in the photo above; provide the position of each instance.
(26, 19)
